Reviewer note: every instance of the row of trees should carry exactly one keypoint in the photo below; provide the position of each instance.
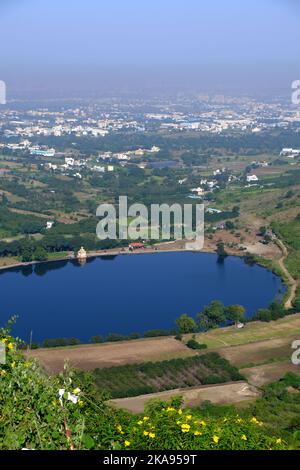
(213, 315)
(216, 314)
(29, 248)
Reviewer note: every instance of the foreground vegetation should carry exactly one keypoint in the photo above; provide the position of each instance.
(64, 412)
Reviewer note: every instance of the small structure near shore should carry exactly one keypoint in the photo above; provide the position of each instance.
(136, 246)
(82, 254)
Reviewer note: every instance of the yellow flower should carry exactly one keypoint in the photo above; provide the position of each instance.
(278, 441)
(3, 373)
(244, 438)
(13, 364)
(152, 435)
(170, 409)
(216, 439)
(189, 417)
(76, 391)
(185, 427)
(127, 443)
(178, 422)
(145, 418)
(5, 340)
(197, 433)
(27, 364)
(10, 346)
(254, 420)
(146, 433)
(140, 422)
(80, 402)
(203, 423)
(119, 429)
(180, 412)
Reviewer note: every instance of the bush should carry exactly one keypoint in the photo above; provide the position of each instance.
(156, 333)
(134, 336)
(97, 339)
(60, 342)
(193, 344)
(291, 380)
(115, 337)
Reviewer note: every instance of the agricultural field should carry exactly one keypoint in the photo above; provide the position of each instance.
(144, 378)
(252, 333)
(89, 357)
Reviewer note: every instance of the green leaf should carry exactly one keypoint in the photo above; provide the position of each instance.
(88, 441)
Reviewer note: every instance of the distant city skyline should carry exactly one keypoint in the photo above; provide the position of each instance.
(81, 47)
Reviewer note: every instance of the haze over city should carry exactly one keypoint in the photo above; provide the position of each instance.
(86, 48)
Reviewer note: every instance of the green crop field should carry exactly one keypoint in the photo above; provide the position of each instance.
(151, 377)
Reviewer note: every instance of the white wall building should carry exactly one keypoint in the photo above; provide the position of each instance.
(252, 179)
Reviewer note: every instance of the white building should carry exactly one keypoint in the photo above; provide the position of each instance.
(69, 161)
(49, 225)
(289, 152)
(211, 184)
(252, 178)
(199, 191)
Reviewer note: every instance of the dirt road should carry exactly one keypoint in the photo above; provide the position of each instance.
(233, 392)
(292, 282)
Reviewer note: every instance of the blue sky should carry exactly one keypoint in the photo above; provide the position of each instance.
(141, 33)
(156, 31)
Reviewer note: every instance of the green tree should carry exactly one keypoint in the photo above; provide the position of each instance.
(212, 316)
(40, 254)
(26, 255)
(221, 252)
(263, 231)
(264, 314)
(235, 313)
(186, 324)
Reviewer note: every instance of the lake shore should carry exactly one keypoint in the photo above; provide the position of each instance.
(166, 247)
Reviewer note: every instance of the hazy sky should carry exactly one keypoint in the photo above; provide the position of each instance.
(60, 39)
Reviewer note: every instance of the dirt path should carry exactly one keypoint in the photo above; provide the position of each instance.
(267, 373)
(233, 392)
(293, 283)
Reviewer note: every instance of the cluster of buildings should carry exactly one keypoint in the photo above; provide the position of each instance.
(82, 121)
(215, 114)
(74, 167)
(225, 114)
(129, 155)
(290, 153)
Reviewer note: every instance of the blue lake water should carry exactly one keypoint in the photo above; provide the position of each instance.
(126, 294)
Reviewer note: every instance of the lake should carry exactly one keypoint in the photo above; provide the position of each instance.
(126, 294)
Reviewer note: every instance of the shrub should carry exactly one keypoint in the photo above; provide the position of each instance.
(112, 337)
(291, 380)
(156, 333)
(97, 339)
(193, 344)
